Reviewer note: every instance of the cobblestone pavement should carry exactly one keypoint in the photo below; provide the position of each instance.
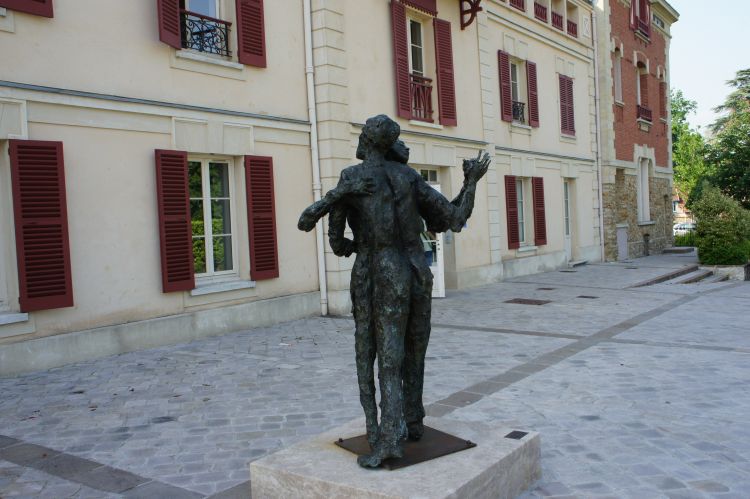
(637, 392)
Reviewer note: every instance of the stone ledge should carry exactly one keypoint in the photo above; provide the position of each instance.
(317, 468)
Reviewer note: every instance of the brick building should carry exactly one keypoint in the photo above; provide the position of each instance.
(636, 161)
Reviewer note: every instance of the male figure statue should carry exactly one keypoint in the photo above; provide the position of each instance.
(385, 202)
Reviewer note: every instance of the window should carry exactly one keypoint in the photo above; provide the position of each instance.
(521, 213)
(416, 62)
(429, 176)
(566, 202)
(206, 7)
(644, 111)
(210, 185)
(202, 30)
(644, 208)
(659, 21)
(515, 93)
(618, 75)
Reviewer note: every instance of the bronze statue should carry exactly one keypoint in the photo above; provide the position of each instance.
(386, 204)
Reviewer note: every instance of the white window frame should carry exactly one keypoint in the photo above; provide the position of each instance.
(217, 3)
(211, 276)
(566, 207)
(430, 175)
(521, 205)
(644, 195)
(618, 76)
(412, 45)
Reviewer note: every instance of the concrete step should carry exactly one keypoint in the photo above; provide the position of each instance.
(697, 276)
(679, 249)
(667, 277)
(716, 278)
(577, 263)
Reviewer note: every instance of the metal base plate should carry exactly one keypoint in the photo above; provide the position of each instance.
(434, 444)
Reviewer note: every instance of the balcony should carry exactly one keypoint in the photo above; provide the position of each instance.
(557, 21)
(572, 28)
(519, 112)
(205, 34)
(421, 98)
(540, 12)
(644, 28)
(645, 114)
(519, 4)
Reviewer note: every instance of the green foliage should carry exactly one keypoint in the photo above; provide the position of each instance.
(736, 102)
(730, 155)
(688, 145)
(687, 239)
(723, 232)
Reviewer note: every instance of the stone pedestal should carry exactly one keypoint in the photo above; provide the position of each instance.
(499, 467)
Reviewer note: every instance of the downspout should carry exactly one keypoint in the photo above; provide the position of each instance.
(597, 120)
(317, 187)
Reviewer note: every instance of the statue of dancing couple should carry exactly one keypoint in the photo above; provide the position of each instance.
(386, 204)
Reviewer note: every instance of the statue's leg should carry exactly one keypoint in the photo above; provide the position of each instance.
(364, 344)
(390, 309)
(417, 338)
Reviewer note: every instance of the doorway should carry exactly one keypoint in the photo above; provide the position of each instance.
(567, 225)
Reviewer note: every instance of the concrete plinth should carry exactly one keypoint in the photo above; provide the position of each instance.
(498, 467)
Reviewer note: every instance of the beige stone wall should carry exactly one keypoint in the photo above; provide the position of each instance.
(620, 200)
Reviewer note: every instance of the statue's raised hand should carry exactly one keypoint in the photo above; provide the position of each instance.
(474, 169)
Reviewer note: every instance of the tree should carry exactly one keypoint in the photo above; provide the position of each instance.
(688, 145)
(723, 228)
(729, 151)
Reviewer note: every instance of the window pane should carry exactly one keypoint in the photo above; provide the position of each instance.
(219, 175)
(222, 222)
(416, 33)
(199, 255)
(205, 7)
(195, 181)
(514, 82)
(223, 253)
(521, 217)
(196, 217)
(416, 60)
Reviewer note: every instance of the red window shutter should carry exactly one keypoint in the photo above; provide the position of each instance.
(644, 89)
(169, 22)
(251, 36)
(567, 111)
(511, 212)
(663, 99)
(41, 223)
(428, 6)
(533, 94)
(445, 81)
(37, 7)
(401, 59)
(540, 220)
(261, 217)
(175, 226)
(506, 102)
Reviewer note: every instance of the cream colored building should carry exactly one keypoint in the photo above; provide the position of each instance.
(152, 115)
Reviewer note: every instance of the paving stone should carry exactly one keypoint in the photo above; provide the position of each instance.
(151, 490)
(110, 479)
(66, 466)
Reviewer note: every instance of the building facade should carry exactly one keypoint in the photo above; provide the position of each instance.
(635, 126)
(149, 190)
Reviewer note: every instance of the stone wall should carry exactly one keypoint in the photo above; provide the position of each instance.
(620, 201)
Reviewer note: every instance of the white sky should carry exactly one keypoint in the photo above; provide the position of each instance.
(710, 43)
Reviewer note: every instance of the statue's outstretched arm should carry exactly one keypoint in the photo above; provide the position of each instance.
(345, 187)
(442, 215)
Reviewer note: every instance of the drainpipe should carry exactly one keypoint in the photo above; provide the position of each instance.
(597, 104)
(317, 187)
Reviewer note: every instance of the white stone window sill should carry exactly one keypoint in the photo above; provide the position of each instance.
(3, 12)
(526, 249)
(426, 124)
(568, 138)
(518, 127)
(646, 222)
(221, 287)
(197, 56)
(622, 226)
(619, 103)
(12, 317)
(663, 120)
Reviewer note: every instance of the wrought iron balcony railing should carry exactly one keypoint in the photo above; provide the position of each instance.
(572, 28)
(421, 98)
(645, 114)
(540, 11)
(519, 112)
(557, 21)
(644, 28)
(205, 34)
(519, 4)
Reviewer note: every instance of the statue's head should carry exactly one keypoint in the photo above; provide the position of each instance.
(379, 133)
(399, 152)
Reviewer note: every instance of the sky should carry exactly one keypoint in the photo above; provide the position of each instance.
(709, 45)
